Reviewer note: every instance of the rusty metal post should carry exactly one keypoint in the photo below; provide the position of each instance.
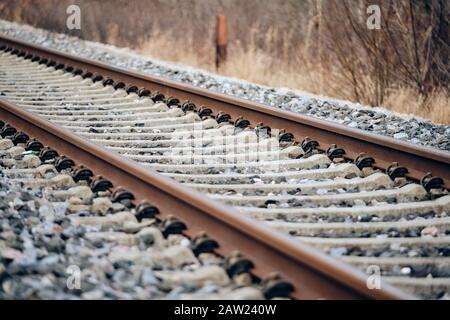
(221, 40)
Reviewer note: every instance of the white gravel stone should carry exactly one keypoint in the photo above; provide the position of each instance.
(401, 136)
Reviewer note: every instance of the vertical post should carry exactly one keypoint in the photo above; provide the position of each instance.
(221, 40)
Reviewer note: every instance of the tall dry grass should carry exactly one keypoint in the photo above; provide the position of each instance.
(435, 107)
(297, 72)
(319, 46)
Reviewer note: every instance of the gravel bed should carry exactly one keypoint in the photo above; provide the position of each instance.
(389, 251)
(59, 240)
(377, 120)
(363, 218)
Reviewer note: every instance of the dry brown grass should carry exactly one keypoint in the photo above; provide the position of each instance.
(279, 43)
(161, 46)
(405, 100)
(255, 65)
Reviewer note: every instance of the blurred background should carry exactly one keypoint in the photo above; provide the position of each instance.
(320, 46)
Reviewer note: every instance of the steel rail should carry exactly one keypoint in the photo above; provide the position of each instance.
(313, 274)
(419, 160)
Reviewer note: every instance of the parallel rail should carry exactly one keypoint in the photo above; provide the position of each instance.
(313, 274)
(418, 159)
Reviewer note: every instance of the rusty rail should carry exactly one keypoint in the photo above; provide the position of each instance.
(419, 160)
(313, 274)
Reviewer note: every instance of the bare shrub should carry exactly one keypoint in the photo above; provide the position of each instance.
(410, 49)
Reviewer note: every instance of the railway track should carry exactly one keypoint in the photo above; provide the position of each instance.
(78, 216)
(362, 208)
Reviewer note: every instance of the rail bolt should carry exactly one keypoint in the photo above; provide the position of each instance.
(35, 59)
(270, 201)
(171, 101)
(63, 163)
(69, 69)
(285, 136)
(157, 97)
(364, 161)
(108, 82)
(120, 194)
(308, 144)
(395, 171)
(242, 123)
(47, 153)
(34, 145)
(29, 56)
(333, 152)
(274, 286)
(87, 74)
(119, 85)
(203, 244)
(77, 72)
(262, 129)
(236, 264)
(146, 210)
(80, 173)
(429, 182)
(144, 92)
(51, 63)
(60, 66)
(172, 225)
(20, 137)
(204, 111)
(131, 89)
(7, 131)
(188, 106)
(99, 184)
(97, 78)
(222, 117)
